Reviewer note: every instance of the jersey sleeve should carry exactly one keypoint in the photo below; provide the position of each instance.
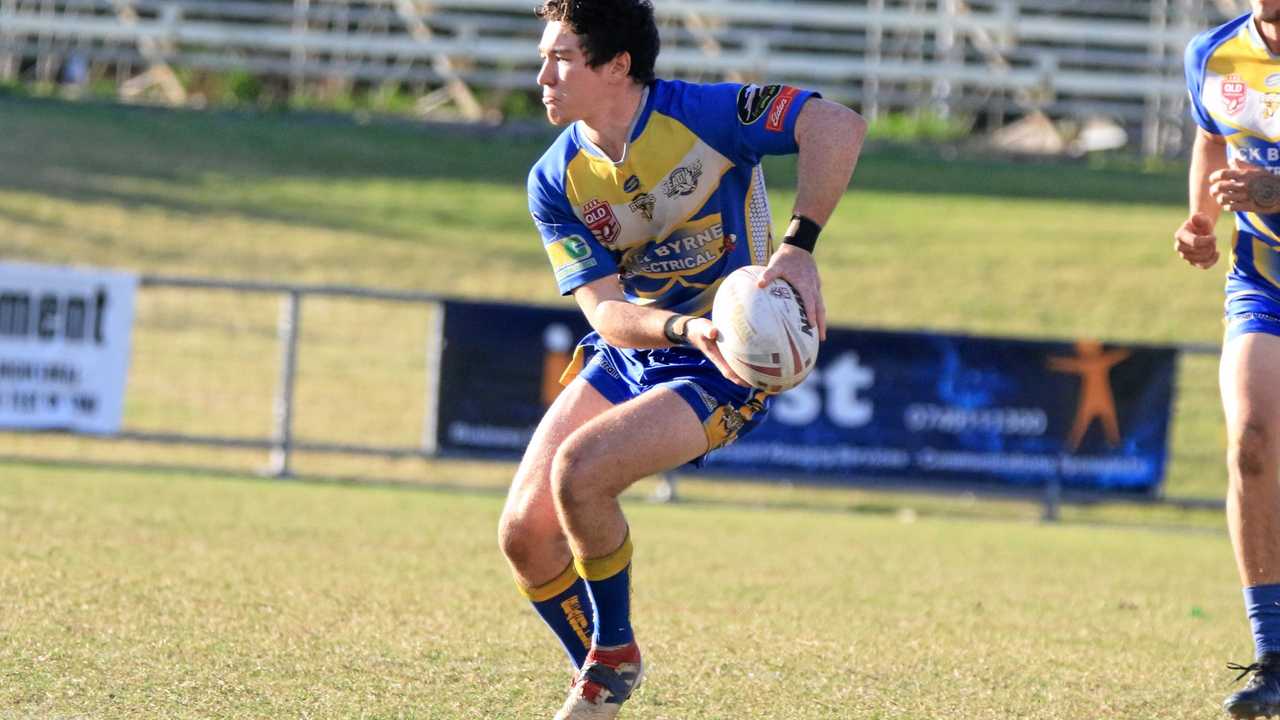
(745, 121)
(576, 256)
(1194, 61)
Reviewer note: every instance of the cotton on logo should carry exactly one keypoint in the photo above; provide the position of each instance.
(834, 388)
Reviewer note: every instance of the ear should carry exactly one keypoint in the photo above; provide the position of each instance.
(620, 66)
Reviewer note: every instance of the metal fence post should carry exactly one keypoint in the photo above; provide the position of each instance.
(1052, 499)
(282, 413)
(431, 403)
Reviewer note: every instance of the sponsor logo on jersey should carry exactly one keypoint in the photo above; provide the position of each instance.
(570, 255)
(1272, 80)
(683, 180)
(778, 111)
(644, 203)
(631, 185)
(599, 217)
(1233, 93)
(683, 253)
(754, 100)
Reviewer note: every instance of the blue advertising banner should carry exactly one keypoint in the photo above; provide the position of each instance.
(914, 406)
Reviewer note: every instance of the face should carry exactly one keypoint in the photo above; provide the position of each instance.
(1266, 10)
(569, 86)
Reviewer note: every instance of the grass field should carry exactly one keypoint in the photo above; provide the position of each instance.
(136, 593)
(141, 595)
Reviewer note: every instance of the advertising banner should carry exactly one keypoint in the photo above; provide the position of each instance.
(64, 347)
(972, 409)
(914, 406)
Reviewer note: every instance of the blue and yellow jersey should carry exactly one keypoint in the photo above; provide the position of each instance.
(1234, 84)
(685, 206)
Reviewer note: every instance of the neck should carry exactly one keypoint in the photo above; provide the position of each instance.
(1270, 32)
(609, 126)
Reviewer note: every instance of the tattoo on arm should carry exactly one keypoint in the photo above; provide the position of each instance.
(1264, 191)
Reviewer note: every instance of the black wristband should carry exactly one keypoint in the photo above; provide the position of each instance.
(802, 232)
(669, 330)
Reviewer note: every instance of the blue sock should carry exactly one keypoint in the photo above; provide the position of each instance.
(1262, 603)
(565, 605)
(609, 579)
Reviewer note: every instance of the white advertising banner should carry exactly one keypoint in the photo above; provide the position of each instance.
(64, 346)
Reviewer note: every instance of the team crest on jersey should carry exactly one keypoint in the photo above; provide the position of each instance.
(599, 217)
(644, 203)
(754, 100)
(1234, 92)
(1270, 103)
(683, 180)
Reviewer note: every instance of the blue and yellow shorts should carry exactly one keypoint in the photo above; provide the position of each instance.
(727, 411)
(1251, 312)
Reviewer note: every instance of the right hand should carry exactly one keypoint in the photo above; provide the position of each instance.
(1196, 243)
(702, 335)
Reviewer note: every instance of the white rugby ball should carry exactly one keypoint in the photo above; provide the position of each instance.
(764, 333)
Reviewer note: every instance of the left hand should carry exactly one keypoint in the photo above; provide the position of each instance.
(797, 267)
(1243, 187)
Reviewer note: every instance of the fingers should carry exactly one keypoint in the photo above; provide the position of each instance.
(1197, 249)
(1244, 165)
(709, 347)
(1201, 223)
(770, 274)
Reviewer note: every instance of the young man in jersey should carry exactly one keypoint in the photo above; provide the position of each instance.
(651, 195)
(1233, 76)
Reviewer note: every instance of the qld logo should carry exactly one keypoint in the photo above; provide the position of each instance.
(1234, 92)
(599, 217)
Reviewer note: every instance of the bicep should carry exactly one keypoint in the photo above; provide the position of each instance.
(820, 118)
(1208, 139)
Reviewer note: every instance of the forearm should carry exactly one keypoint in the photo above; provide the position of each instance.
(625, 324)
(1208, 155)
(830, 138)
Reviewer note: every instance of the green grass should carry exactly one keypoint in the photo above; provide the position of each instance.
(133, 594)
(967, 244)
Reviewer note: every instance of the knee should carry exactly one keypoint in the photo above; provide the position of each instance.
(520, 538)
(1251, 452)
(572, 472)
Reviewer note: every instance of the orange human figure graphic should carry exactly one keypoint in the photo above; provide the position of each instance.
(1093, 365)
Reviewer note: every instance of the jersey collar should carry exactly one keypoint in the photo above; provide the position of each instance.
(643, 108)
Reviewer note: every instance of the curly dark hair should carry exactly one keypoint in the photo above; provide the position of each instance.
(610, 27)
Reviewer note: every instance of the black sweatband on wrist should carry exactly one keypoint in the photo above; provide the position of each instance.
(669, 330)
(802, 232)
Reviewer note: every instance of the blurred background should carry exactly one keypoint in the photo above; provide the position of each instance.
(317, 211)
(299, 183)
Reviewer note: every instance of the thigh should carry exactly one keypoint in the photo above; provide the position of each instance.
(1249, 378)
(530, 493)
(653, 433)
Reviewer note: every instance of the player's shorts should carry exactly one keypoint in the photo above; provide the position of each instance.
(1250, 310)
(727, 411)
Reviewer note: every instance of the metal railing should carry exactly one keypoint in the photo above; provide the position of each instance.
(946, 55)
